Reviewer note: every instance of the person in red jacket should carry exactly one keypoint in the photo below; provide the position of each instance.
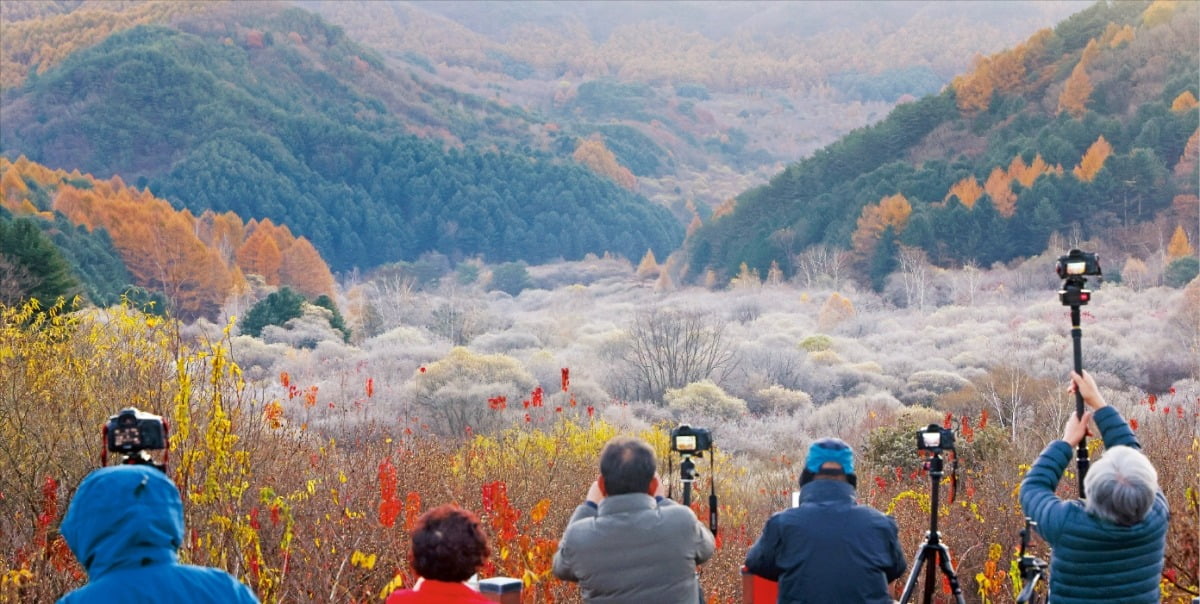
(448, 546)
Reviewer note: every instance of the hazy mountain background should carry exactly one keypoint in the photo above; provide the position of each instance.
(414, 138)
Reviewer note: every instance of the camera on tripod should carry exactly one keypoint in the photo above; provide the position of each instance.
(1074, 268)
(132, 433)
(935, 438)
(687, 440)
(691, 442)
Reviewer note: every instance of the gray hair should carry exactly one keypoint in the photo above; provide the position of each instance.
(1120, 486)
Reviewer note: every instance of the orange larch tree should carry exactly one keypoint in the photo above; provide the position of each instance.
(1093, 160)
(1076, 92)
(967, 190)
(305, 270)
(999, 188)
(596, 157)
(892, 211)
(259, 254)
(1179, 245)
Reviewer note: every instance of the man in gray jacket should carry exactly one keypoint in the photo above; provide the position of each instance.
(626, 542)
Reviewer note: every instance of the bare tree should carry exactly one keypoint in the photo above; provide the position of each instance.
(673, 348)
(819, 262)
(915, 274)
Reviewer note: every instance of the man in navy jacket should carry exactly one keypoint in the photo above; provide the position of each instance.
(1109, 548)
(829, 549)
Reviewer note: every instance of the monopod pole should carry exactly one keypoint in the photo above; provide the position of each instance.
(1081, 452)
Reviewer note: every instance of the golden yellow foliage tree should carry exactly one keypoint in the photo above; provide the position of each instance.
(725, 208)
(1117, 36)
(1189, 157)
(1158, 12)
(837, 309)
(1076, 92)
(1186, 101)
(1179, 246)
(596, 157)
(973, 90)
(648, 267)
(1093, 160)
(891, 211)
(967, 190)
(746, 278)
(999, 188)
(1030, 174)
(12, 188)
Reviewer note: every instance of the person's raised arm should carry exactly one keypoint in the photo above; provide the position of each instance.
(1113, 428)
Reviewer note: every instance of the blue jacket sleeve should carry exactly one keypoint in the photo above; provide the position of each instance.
(1114, 429)
(760, 560)
(1037, 490)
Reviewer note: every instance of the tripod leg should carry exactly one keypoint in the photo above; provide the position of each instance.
(912, 576)
(948, 570)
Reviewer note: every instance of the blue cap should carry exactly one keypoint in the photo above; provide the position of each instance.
(829, 449)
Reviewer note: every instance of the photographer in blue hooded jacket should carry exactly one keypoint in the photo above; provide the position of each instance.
(125, 526)
(1109, 547)
(830, 548)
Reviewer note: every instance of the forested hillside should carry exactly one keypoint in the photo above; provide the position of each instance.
(1089, 129)
(273, 114)
(70, 234)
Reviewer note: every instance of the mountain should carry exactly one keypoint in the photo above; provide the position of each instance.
(268, 111)
(1085, 130)
(699, 100)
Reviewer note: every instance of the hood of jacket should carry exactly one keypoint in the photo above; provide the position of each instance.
(124, 517)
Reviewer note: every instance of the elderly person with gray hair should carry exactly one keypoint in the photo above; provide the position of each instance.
(1110, 547)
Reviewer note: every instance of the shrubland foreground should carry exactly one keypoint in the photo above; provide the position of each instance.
(304, 469)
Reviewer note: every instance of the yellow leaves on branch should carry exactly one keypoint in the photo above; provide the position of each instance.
(892, 211)
(1093, 160)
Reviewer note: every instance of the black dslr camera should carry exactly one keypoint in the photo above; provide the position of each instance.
(690, 441)
(1074, 268)
(935, 438)
(132, 433)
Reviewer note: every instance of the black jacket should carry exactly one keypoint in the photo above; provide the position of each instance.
(830, 549)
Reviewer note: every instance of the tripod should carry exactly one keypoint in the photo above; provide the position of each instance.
(1033, 570)
(687, 475)
(933, 547)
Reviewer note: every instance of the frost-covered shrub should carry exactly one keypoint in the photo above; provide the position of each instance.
(923, 387)
(704, 398)
(505, 341)
(844, 417)
(256, 358)
(304, 331)
(776, 399)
